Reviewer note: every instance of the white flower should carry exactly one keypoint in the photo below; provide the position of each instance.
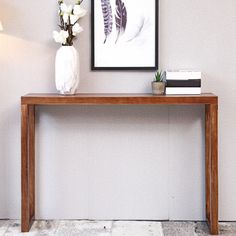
(70, 16)
(73, 19)
(76, 29)
(65, 11)
(60, 37)
(65, 17)
(79, 11)
(65, 8)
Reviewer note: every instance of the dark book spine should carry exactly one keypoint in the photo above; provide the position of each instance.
(184, 83)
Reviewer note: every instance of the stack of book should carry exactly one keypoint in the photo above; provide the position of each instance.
(183, 82)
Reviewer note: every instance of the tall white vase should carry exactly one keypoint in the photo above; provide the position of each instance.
(67, 70)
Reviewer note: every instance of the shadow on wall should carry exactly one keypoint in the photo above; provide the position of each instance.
(10, 160)
(34, 24)
(25, 67)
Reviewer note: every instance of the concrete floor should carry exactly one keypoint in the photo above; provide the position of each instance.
(113, 228)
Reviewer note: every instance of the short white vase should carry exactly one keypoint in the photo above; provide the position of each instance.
(67, 70)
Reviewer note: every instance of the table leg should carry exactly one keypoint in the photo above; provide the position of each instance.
(27, 167)
(32, 161)
(214, 169)
(211, 166)
(207, 160)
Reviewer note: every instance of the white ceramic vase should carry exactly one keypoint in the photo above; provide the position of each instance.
(67, 70)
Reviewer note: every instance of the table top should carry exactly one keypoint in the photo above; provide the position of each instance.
(116, 99)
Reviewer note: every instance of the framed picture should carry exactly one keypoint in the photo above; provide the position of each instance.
(124, 34)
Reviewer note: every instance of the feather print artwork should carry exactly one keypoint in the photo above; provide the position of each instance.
(107, 17)
(121, 18)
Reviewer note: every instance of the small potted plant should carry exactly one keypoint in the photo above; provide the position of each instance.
(158, 85)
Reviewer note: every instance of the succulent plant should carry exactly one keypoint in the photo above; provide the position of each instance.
(159, 76)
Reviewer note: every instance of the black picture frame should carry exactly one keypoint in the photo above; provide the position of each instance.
(128, 68)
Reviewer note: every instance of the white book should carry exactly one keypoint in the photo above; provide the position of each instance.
(183, 90)
(183, 75)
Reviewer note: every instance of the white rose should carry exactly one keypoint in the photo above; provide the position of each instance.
(73, 19)
(65, 8)
(76, 29)
(60, 37)
(66, 11)
(79, 11)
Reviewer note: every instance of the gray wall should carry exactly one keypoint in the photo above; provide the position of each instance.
(118, 162)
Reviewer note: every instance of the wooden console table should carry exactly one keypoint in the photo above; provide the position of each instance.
(28, 103)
